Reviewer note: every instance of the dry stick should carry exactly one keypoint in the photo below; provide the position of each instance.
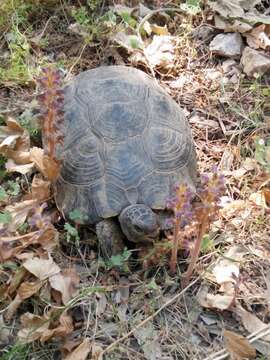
(169, 302)
(222, 354)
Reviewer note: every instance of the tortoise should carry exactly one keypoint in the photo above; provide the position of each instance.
(127, 143)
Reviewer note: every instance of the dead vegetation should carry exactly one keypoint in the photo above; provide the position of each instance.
(59, 298)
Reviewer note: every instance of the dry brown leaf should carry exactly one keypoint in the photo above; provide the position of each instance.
(251, 322)
(25, 291)
(40, 189)
(23, 169)
(36, 327)
(161, 51)
(64, 328)
(51, 168)
(15, 144)
(266, 193)
(33, 326)
(81, 352)
(66, 283)
(238, 346)
(218, 301)
(47, 166)
(41, 268)
(48, 238)
(258, 199)
(13, 137)
(259, 37)
(19, 212)
(96, 352)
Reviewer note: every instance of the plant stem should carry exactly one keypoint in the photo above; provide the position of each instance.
(176, 236)
(195, 253)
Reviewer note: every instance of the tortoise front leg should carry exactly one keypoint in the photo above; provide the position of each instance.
(110, 237)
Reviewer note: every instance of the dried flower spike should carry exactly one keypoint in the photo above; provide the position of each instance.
(205, 212)
(51, 103)
(181, 205)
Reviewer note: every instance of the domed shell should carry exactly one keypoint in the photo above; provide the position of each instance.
(126, 142)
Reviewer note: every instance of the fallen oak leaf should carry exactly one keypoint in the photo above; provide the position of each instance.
(41, 268)
(238, 346)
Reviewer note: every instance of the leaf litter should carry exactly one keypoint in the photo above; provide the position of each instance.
(78, 292)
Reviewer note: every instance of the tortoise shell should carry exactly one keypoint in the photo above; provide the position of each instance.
(126, 142)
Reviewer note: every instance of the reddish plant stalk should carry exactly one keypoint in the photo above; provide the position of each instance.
(176, 238)
(197, 247)
(51, 103)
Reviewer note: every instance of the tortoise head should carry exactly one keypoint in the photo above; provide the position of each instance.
(139, 223)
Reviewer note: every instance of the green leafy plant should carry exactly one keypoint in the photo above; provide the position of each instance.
(81, 15)
(72, 234)
(262, 153)
(77, 216)
(119, 260)
(5, 217)
(192, 7)
(18, 69)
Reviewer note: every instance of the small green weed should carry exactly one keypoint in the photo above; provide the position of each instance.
(16, 352)
(27, 122)
(5, 217)
(72, 234)
(77, 216)
(192, 7)
(262, 153)
(17, 69)
(119, 260)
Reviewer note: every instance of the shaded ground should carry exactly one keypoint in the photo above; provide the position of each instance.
(230, 124)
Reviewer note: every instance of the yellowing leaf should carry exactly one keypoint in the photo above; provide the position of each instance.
(238, 346)
(81, 352)
(41, 268)
(159, 30)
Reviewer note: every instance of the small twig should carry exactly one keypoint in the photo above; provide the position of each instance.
(169, 302)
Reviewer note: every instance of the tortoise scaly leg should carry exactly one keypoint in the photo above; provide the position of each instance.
(110, 237)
